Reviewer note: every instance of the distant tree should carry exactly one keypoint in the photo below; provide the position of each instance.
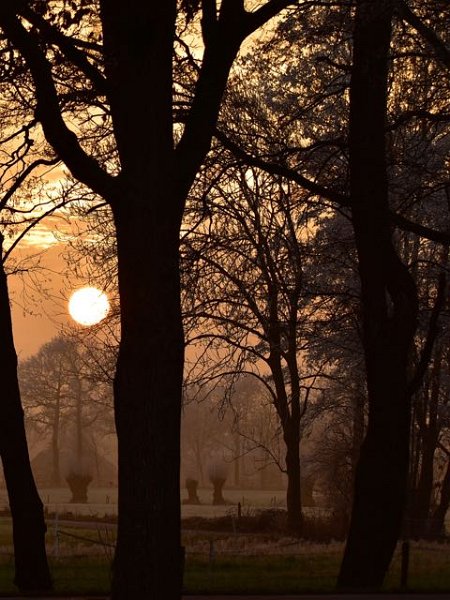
(44, 387)
(63, 395)
(255, 439)
(217, 475)
(249, 301)
(201, 434)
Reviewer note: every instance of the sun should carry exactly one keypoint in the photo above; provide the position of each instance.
(88, 306)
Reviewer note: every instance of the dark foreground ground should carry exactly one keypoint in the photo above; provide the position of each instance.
(403, 596)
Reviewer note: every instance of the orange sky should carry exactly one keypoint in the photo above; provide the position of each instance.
(39, 298)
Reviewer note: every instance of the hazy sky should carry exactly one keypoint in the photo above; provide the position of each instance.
(39, 297)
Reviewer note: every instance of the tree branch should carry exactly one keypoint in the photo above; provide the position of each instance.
(440, 237)
(60, 137)
(442, 52)
(283, 171)
(222, 44)
(22, 177)
(68, 48)
(433, 331)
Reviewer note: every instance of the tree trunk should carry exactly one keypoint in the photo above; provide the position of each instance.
(191, 486)
(147, 390)
(290, 416)
(438, 518)
(293, 494)
(237, 460)
(389, 303)
(31, 568)
(423, 493)
(56, 471)
(430, 435)
(138, 45)
(80, 459)
(358, 425)
(56, 468)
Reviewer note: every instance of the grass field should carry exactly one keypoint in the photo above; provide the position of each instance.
(228, 562)
(223, 563)
(305, 572)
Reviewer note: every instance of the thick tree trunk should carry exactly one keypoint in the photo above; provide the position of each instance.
(389, 305)
(147, 391)
(138, 46)
(358, 425)
(380, 489)
(31, 568)
(293, 494)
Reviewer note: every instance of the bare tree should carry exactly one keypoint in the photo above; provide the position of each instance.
(386, 150)
(147, 195)
(249, 301)
(65, 399)
(31, 568)
(18, 163)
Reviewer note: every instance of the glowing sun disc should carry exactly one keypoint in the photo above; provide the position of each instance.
(88, 306)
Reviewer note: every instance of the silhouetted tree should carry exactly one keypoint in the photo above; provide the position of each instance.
(147, 195)
(31, 568)
(319, 164)
(389, 306)
(65, 400)
(250, 301)
(17, 217)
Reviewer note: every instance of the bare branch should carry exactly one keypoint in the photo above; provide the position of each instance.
(48, 112)
(68, 48)
(23, 176)
(433, 331)
(441, 50)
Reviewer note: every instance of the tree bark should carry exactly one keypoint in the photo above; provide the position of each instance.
(293, 494)
(31, 568)
(147, 392)
(389, 303)
(138, 43)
